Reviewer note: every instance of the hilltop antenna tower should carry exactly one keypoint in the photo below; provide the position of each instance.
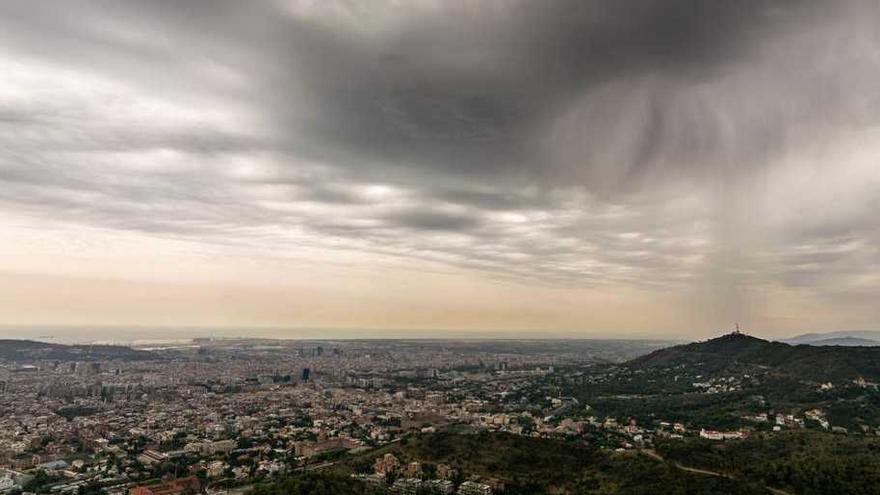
(736, 332)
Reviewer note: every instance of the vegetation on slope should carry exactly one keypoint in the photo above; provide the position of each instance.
(531, 466)
(803, 462)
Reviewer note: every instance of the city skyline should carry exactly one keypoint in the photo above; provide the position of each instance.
(563, 169)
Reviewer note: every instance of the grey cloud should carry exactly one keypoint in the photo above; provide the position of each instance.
(460, 90)
(430, 219)
(539, 140)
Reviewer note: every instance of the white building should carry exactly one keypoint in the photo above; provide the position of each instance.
(6, 483)
(474, 488)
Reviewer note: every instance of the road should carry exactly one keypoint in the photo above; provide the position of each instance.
(654, 455)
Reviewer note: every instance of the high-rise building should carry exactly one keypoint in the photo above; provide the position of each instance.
(88, 368)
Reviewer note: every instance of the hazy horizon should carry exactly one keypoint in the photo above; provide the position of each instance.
(573, 168)
(145, 335)
(140, 335)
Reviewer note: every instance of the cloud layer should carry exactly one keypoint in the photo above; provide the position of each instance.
(706, 148)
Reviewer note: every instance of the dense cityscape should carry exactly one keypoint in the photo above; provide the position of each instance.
(235, 411)
(221, 415)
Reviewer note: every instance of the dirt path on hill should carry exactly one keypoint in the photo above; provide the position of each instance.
(654, 455)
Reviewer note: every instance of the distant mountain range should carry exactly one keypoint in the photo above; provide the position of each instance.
(735, 351)
(845, 338)
(844, 341)
(29, 351)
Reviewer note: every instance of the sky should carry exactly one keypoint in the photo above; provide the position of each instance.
(579, 168)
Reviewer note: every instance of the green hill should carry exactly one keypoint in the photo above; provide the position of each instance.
(724, 353)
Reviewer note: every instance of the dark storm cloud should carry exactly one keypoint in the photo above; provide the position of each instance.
(469, 90)
(464, 88)
(649, 142)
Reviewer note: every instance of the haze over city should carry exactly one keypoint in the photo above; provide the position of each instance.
(439, 168)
